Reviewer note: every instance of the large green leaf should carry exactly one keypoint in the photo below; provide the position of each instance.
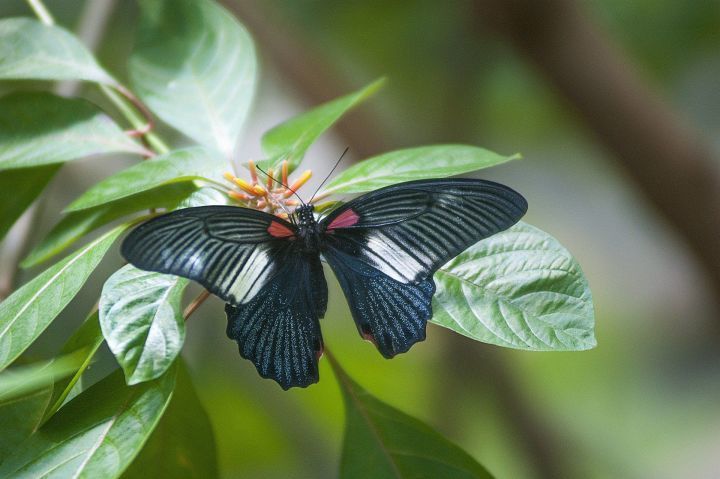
(291, 139)
(21, 380)
(18, 419)
(206, 196)
(141, 319)
(77, 224)
(519, 289)
(183, 444)
(195, 66)
(29, 310)
(38, 128)
(26, 184)
(382, 442)
(413, 164)
(97, 434)
(177, 166)
(30, 50)
(87, 338)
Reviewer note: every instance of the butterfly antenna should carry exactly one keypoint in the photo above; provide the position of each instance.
(280, 183)
(329, 174)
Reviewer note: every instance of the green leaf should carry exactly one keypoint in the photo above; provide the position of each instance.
(97, 434)
(177, 166)
(327, 206)
(38, 128)
(29, 310)
(26, 184)
(183, 443)
(195, 66)
(18, 419)
(382, 442)
(21, 380)
(88, 339)
(77, 224)
(30, 50)
(519, 289)
(291, 139)
(206, 196)
(141, 319)
(424, 162)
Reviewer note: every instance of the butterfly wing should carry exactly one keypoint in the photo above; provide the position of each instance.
(250, 259)
(231, 251)
(278, 329)
(390, 313)
(385, 246)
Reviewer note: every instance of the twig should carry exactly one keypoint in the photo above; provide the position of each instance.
(195, 304)
(41, 11)
(129, 105)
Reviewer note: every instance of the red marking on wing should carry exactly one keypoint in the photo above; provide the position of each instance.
(368, 337)
(345, 219)
(279, 230)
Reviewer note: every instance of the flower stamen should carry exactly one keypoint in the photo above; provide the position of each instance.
(298, 183)
(253, 171)
(285, 172)
(271, 175)
(271, 196)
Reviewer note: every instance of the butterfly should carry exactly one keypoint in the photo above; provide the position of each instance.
(383, 247)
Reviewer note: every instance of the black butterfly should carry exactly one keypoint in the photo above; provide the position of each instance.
(383, 247)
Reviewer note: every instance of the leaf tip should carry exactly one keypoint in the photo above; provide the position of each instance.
(377, 84)
(30, 260)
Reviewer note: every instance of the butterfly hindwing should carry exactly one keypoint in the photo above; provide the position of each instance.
(278, 329)
(386, 245)
(231, 251)
(387, 312)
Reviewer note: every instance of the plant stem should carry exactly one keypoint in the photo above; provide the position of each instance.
(192, 307)
(129, 110)
(41, 11)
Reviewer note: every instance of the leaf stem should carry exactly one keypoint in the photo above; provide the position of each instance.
(129, 105)
(41, 11)
(192, 307)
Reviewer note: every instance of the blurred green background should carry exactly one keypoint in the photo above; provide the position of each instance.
(643, 404)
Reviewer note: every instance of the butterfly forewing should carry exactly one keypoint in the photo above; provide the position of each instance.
(231, 251)
(408, 231)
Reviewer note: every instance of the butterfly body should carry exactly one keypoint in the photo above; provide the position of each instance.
(308, 229)
(383, 247)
